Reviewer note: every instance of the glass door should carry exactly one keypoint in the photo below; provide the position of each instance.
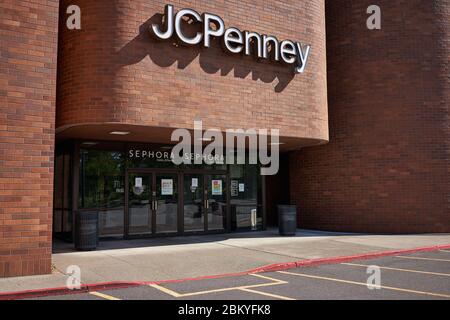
(193, 203)
(152, 203)
(165, 202)
(216, 201)
(139, 204)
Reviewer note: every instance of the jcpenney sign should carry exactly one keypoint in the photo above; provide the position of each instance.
(233, 40)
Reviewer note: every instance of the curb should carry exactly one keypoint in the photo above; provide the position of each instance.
(332, 260)
(57, 291)
(85, 288)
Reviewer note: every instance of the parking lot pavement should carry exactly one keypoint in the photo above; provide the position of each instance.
(422, 275)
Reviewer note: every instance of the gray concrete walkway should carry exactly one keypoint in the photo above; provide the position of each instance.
(182, 257)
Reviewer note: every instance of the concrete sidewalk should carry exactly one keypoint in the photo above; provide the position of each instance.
(195, 256)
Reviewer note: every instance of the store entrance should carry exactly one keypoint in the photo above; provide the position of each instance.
(205, 202)
(173, 202)
(139, 192)
(152, 203)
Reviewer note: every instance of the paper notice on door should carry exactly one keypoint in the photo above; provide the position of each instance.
(241, 187)
(216, 187)
(138, 182)
(194, 182)
(234, 188)
(166, 187)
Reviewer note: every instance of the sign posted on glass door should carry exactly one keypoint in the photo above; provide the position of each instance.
(216, 187)
(166, 187)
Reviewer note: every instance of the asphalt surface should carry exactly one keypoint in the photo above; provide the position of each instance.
(422, 275)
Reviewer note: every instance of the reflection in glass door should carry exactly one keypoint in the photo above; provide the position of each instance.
(194, 218)
(165, 203)
(216, 202)
(153, 203)
(139, 204)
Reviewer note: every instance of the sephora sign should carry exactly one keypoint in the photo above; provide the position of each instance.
(233, 39)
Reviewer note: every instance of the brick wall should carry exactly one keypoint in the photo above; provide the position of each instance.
(113, 71)
(28, 45)
(387, 166)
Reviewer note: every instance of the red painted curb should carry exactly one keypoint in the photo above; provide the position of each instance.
(84, 288)
(372, 255)
(26, 294)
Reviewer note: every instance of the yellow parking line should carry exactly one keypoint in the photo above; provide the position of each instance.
(189, 294)
(268, 278)
(365, 284)
(276, 296)
(165, 290)
(104, 296)
(420, 258)
(398, 269)
(225, 289)
(209, 291)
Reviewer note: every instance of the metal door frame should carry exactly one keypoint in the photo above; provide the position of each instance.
(152, 173)
(180, 209)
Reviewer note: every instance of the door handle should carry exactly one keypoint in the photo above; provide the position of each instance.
(207, 204)
(156, 205)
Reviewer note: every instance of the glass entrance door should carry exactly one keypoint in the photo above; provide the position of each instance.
(152, 203)
(165, 203)
(205, 202)
(216, 201)
(193, 204)
(155, 207)
(140, 188)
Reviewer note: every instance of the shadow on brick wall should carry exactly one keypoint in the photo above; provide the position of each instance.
(211, 60)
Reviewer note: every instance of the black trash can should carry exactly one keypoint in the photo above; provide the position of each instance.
(86, 230)
(287, 219)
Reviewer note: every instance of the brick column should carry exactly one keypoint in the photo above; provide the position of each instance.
(28, 54)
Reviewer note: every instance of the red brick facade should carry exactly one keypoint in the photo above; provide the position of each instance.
(387, 166)
(28, 50)
(113, 71)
